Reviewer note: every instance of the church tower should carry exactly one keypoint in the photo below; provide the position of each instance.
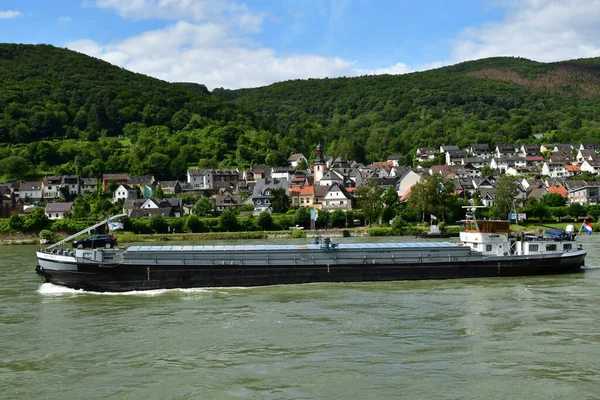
(319, 167)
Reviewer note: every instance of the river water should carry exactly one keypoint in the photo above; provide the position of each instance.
(500, 338)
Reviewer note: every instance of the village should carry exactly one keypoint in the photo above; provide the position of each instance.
(328, 184)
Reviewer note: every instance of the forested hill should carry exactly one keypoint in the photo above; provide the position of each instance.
(64, 112)
(486, 101)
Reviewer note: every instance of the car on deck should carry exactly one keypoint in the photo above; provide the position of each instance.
(95, 241)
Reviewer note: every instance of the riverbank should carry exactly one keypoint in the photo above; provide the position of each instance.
(130, 237)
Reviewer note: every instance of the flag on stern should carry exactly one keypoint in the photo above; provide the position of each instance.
(113, 226)
(587, 227)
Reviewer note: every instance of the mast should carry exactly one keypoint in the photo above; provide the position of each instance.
(86, 230)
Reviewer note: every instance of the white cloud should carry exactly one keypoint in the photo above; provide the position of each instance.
(9, 14)
(543, 30)
(398, 68)
(209, 43)
(65, 19)
(222, 11)
(206, 53)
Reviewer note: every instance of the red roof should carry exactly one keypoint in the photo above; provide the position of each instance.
(534, 158)
(573, 168)
(558, 189)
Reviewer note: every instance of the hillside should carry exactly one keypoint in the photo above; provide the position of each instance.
(487, 101)
(64, 112)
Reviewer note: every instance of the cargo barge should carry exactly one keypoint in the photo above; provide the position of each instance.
(486, 249)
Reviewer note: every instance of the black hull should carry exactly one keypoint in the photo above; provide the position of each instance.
(122, 278)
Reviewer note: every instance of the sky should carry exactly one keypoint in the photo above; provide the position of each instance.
(251, 43)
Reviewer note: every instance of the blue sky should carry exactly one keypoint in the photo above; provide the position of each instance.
(233, 44)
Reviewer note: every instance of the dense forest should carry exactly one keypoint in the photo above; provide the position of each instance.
(64, 112)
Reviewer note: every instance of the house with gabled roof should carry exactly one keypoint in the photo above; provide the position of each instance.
(572, 170)
(586, 154)
(262, 194)
(505, 150)
(547, 148)
(337, 198)
(303, 196)
(124, 192)
(296, 159)
(227, 200)
(140, 181)
(30, 191)
(558, 190)
(583, 192)
(118, 178)
(563, 148)
(57, 210)
(592, 166)
(554, 169)
(71, 182)
(256, 172)
(200, 178)
(454, 157)
(534, 160)
(88, 185)
(447, 148)
(425, 154)
(479, 150)
(170, 187)
(394, 159)
(529, 150)
(535, 193)
(503, 164)
(589, 146)
(51, 187)
(406, 182)
(168, 207)
(330, 177)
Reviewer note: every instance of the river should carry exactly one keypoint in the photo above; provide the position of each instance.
(499, 338)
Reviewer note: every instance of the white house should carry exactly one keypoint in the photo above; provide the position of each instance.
(337, 198)
(124, 192)
(30, 191)
(296, 159)
(406, 182)
(554, 169)
(57, 210)
(200, 179)
(591, 166)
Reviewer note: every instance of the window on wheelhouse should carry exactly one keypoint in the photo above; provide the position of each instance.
(551, 247)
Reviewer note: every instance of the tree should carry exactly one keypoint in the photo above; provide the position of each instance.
(280, 202)
(539, 210)
(15, 168)
(432, 195)
(158, 224)
(228, 220)
(302, 217)
(506, 191)
(194, 224)
(264, 221)
(391, 203)
(204, 207)
(553, 200)
(576, 210)
(559, 212)
(486, 170)
(369, 201)
(158, 193)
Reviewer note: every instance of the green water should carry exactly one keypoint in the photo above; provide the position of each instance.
(529, 338)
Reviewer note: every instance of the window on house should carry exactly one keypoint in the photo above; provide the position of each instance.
(488, 247)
